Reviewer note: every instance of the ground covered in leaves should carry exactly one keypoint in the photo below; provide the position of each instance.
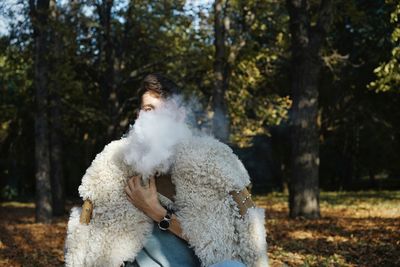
(357, 229)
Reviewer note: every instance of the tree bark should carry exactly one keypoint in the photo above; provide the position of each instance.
(220, 120)
(108, 84)
(306, 68)
(57, 177)
(39, 12)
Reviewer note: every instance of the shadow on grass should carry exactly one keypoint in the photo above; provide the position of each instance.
(19, 255)
(357, 241)
(353, 254)
(339, 198)
(347, 198)
(26, 243)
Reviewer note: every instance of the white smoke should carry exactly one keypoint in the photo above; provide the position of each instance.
(152, 138)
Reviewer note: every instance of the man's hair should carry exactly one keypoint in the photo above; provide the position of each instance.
(159, 84)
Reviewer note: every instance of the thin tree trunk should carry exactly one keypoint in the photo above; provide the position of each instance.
(306, 68)
(108, 85)
(39, 11)
(113, 98)
(220, 120)
(57, 178)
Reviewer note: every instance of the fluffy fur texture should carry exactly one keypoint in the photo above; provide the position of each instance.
(204, 172)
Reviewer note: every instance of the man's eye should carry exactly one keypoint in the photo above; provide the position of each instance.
(147, 109)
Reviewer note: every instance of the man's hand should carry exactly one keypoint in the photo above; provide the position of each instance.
(145, 197)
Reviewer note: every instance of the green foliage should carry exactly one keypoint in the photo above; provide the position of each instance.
(257, 97)
(388, 73)
(8, 192)
(359, 129)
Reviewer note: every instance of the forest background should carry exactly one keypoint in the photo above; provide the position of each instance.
(305, 92)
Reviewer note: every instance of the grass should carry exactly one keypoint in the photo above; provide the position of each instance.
(356, 229)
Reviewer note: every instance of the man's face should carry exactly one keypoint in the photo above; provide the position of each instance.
(150, 101)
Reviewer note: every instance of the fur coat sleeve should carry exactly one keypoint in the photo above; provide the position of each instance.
(207, 170)
(204, 172)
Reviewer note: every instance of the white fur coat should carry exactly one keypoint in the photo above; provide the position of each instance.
(204, 172)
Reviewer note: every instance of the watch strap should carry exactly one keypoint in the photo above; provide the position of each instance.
(165, 222)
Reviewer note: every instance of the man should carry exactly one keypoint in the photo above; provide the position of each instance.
(200, 197)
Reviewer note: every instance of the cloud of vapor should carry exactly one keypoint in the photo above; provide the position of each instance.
(152, 138)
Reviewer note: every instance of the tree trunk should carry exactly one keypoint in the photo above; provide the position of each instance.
(57, 178)
(306, 68)
(220, 120)
(39, 11)
(108, 85)
(113, 98)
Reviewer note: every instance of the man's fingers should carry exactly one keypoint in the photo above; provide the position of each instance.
(137, 180)
(129, 194)
(131, 184)
(128, 190)
(130, 199)
(152, 182)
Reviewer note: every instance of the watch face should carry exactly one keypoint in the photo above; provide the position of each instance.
(164, 224)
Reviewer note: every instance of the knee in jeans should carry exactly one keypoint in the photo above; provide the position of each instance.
(228, 263)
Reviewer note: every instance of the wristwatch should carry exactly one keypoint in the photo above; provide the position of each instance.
(165, 222)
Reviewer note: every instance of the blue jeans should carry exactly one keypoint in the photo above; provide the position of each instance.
(228, 264)
(164, 249)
